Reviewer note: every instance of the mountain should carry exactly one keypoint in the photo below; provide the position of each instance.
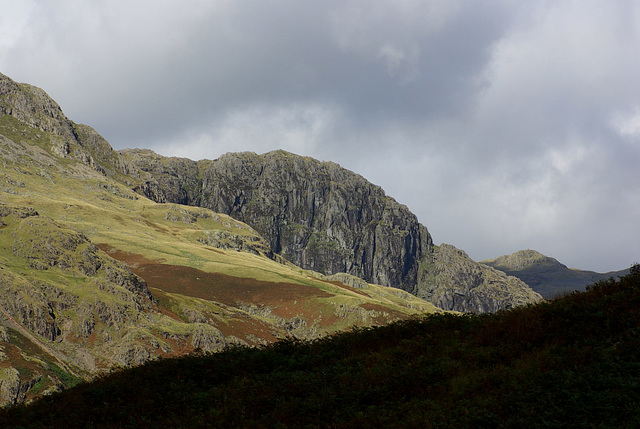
(546, 275)
(328, 219)
(572, 362)
(95, 276)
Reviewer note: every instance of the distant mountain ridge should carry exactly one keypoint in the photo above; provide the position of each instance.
(546, 275)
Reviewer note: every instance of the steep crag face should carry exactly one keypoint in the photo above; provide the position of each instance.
(319, 215)
(315, 214)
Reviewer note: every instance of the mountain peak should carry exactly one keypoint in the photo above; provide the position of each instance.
(35, 107)
(524, 259)
(544, 274)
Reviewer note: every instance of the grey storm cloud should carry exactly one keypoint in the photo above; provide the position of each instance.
(502, 125)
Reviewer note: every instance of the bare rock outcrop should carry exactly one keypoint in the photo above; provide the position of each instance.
(452, 281)
(45, 244)
(315, 214)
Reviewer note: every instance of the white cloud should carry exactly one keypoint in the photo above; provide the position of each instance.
(13, 23)
(298, 128)
(627, 124)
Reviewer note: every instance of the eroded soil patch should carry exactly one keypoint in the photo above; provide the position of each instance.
(216, 287)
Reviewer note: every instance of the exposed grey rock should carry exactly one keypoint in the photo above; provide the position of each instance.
(348, 280)
(18, 212)
(131, 353)
(28, 306)
(13, 389)
(452, 281)
(222, 239)
(34, 107)
(208, 339)
(175, 180)
(97, 153)
(315, 214)
(9, 385)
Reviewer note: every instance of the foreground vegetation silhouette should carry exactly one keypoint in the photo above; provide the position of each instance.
(571, 362)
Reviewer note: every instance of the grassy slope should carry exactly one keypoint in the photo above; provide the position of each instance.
(573, 362)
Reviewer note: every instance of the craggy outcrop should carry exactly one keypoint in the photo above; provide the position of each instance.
(452, 281)
(164, 180)
(46, 244)
(328, 219)
(34, 107)
(315, 214)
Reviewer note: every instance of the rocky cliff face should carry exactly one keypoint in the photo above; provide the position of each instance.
(163, 179)
(315, 214)
(453, 281)
(34, 107)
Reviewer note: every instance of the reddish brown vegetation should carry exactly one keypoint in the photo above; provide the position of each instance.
(216, 287)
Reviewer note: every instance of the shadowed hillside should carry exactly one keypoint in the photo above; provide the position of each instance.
(572, 362)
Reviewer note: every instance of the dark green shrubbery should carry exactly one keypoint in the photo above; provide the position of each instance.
(572, 362)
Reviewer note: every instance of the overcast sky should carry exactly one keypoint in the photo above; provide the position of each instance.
(503, 125)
